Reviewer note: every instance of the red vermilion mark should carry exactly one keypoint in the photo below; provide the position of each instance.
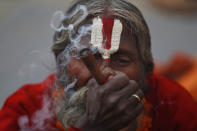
(107, 60)
(108, 24)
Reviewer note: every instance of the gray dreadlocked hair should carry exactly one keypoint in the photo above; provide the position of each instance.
(122, 9)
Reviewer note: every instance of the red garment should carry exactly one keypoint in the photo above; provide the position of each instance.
(173, 107)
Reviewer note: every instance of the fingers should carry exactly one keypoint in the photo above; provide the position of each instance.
(131, 115)
(116, 83)
(121, 105)
(92, 83)
(136, 97)
(135, 112)
(131, 88)
(127, 93)
(114, 98)
(140, 93)
(128, 115)
(114, 103)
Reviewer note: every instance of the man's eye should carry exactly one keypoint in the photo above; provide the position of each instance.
(121, 61)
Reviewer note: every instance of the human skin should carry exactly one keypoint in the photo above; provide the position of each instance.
(111, 106)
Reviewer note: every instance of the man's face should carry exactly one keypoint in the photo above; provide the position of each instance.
(125, 60)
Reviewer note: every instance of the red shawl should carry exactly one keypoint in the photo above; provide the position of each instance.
(173, 108)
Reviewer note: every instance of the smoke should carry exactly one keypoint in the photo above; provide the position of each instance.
(71, 104)
(59, 16)
(71, 98)
(74, 47)
(40, 120)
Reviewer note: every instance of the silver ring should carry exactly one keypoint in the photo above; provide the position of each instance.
(137, 97)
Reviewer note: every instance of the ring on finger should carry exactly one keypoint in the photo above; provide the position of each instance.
(137, 97)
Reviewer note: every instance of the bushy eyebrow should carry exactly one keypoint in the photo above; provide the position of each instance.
(128, 53)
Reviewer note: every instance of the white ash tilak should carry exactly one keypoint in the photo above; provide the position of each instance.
(97, 37)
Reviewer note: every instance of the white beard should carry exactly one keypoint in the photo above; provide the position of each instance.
(73, 108)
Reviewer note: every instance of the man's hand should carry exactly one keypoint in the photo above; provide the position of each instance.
(111, 106)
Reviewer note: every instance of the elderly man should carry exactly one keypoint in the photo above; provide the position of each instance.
(114, 89)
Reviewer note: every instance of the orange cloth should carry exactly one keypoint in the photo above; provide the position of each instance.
(189, 81)
(183, 69)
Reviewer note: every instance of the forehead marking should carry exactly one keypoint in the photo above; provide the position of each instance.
(105, 36)
(108, 24)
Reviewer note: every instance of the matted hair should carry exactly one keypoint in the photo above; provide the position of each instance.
(121, 9)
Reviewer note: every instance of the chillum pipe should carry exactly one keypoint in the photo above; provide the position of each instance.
(90, 61)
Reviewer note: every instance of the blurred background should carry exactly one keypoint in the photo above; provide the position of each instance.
(26, 38)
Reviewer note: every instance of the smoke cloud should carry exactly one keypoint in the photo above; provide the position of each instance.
(40, 119)
(69, 105)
